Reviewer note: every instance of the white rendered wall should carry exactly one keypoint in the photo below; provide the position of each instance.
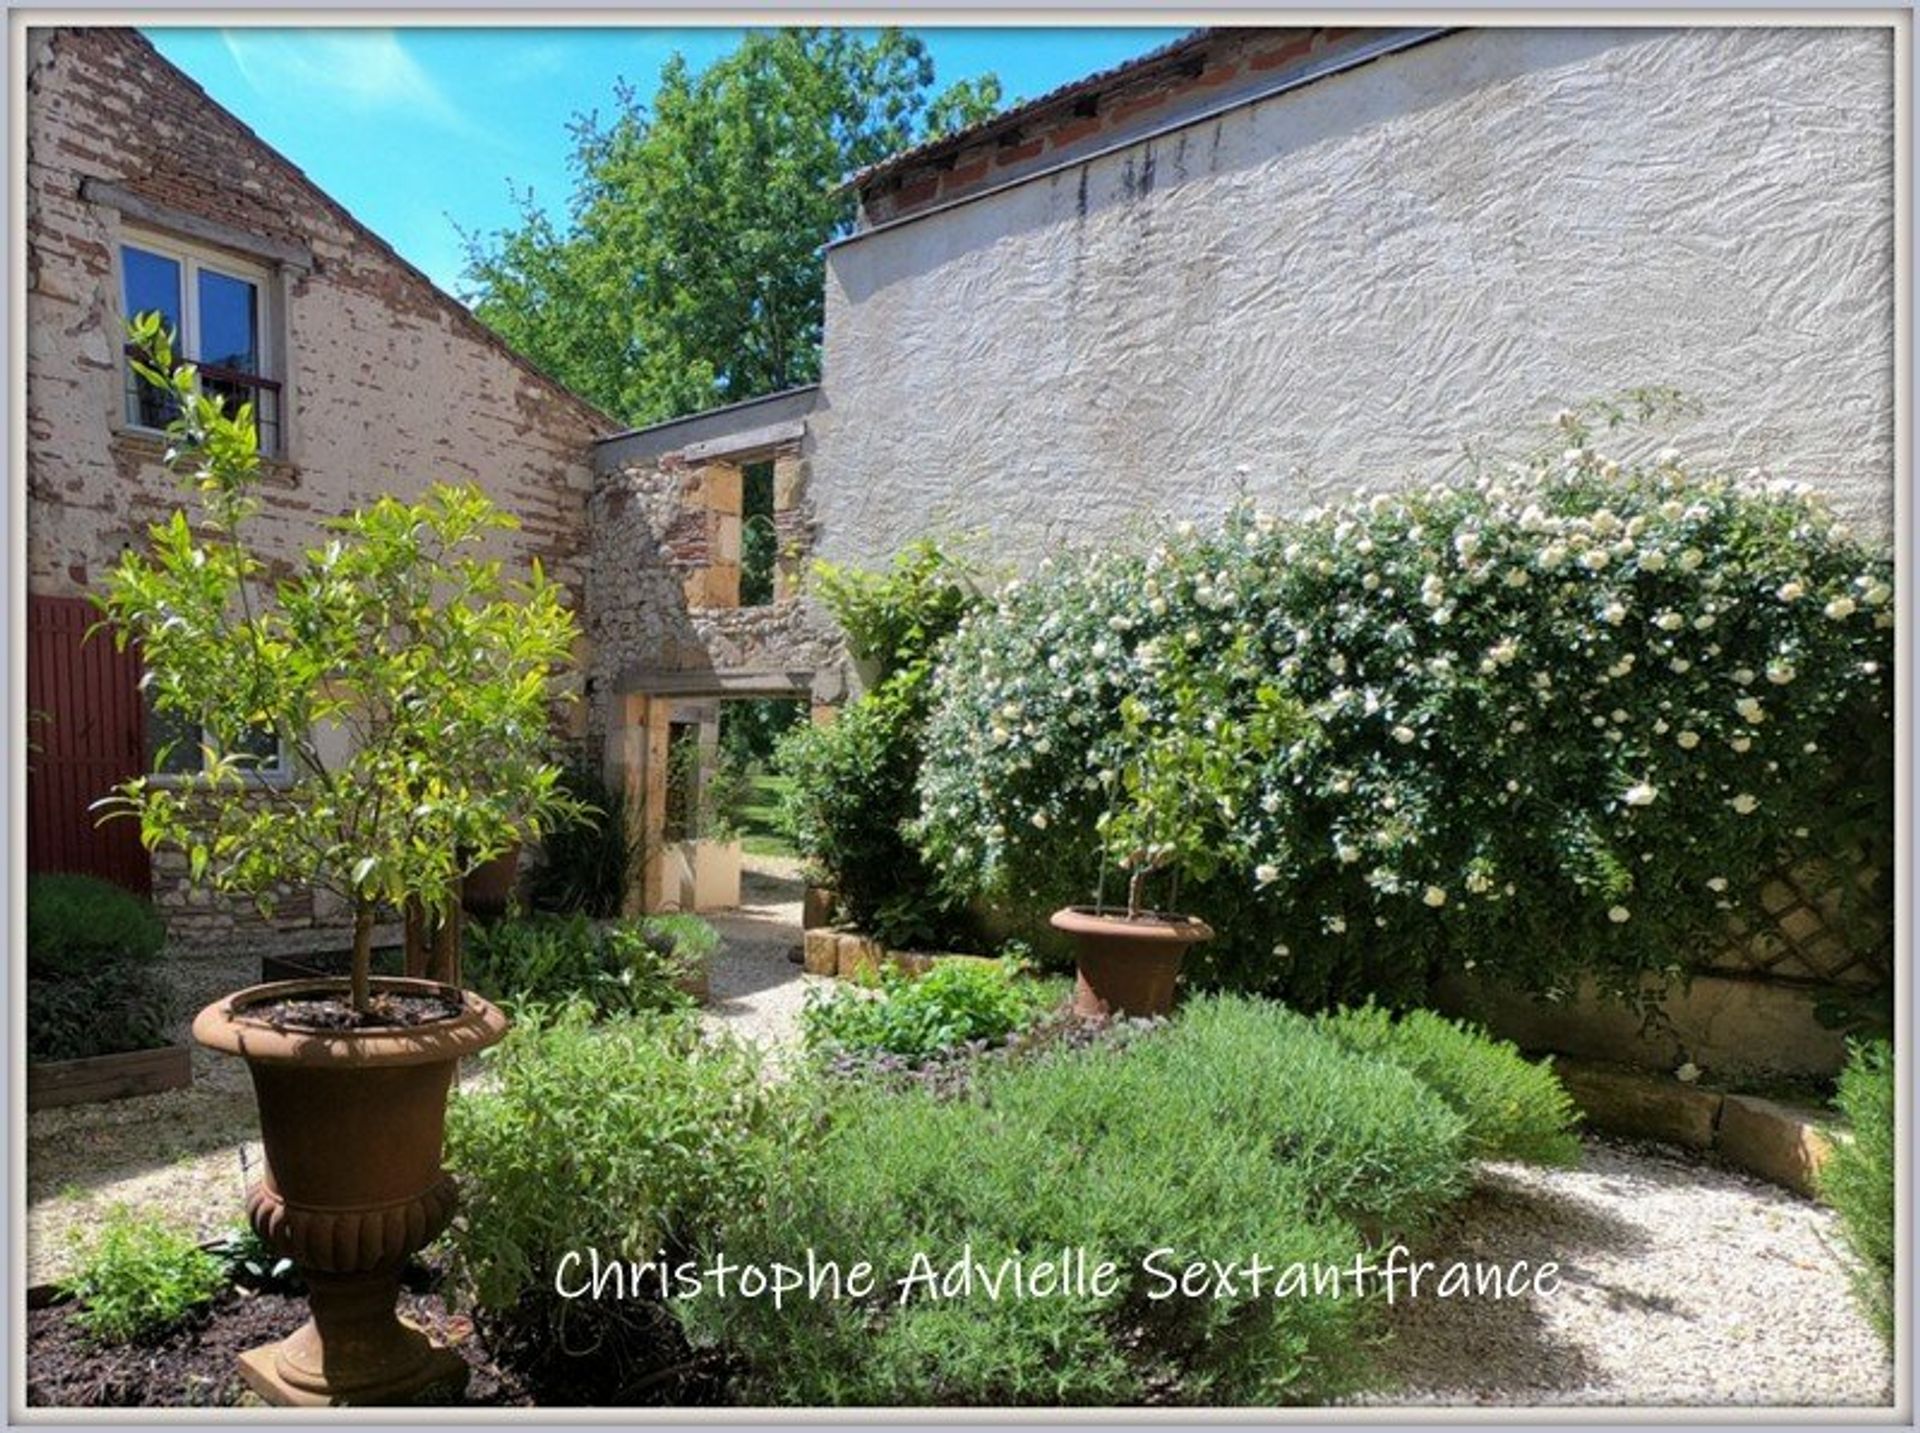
(1347, 283)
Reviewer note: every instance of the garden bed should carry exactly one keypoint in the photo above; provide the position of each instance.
(54, 1083)
(194, 1365)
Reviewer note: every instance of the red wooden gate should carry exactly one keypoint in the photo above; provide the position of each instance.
(87, 723)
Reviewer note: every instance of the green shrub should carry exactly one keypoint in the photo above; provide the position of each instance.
(1514, 1108)
(1238, 1130)
(624, 967)
(95, 985)
(75, 923)
(852, 781)
(954, 1004)
(1559, 722)
(584, 862)
(134, 1277)
(632, 1136)
(1858, 1178)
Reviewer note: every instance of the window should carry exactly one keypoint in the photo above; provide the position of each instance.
(217, 309)
(174, 748)
(759, 535)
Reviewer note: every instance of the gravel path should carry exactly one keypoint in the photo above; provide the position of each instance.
(1683, 1285)
(757, 988)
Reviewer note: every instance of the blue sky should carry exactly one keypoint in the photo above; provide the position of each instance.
(419, 130)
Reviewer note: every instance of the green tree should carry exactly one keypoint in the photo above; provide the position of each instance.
(689, 271)
(399, 630)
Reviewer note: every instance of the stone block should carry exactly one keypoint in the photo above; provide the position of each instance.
(820, 952)
(816, 907)
(1641, 1105)
(1774, 1141)
(724, 489)
(860, 955)
(726, 538)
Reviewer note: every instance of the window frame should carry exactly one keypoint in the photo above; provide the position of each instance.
(192, 259)
(280, 774)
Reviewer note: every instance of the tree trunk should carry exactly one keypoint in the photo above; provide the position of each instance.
(362, 951)
(445, 966)
(417, 948)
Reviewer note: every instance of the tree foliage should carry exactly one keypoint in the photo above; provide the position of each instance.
(687, 272)
(399, 632)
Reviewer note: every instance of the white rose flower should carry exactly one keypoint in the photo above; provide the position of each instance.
(1750, 710)
(1403, 734)
(1716, 883)
(1703, 621)
(1595, 558)
(1371, 581)
(1039, 819)
(1741, 743)
(1655, 561)
(1690, 559)
(1614, 613)
(1877, 594)
(1669, 621)
(1337, 925)
(1840, 608)
(1780, 673)
(1619, 915)
(1517, 577)
(1265, 874)
(1791, 592)
(1641, 794)
(1434, 896)
(1688, 740)
(1745, 803)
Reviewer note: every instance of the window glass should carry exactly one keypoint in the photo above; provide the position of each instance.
(173, 742)
(229, 322)
(153, 283)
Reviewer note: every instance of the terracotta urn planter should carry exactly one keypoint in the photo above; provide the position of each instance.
(352, 1121)
(489, 886)
(1127, 965)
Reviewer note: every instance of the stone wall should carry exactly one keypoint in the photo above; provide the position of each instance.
(1344, 283)
(388, 382)
(664, 577)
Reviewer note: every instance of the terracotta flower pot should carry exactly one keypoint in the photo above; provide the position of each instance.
(352, 1122)
(1127, 966)
(488, 887)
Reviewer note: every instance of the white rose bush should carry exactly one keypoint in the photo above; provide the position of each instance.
(1559, 721)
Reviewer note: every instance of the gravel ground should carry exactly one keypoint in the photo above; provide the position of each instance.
(1683, 1285)
(756, 988)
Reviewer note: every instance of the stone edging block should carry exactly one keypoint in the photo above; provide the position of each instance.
(1775, 1142)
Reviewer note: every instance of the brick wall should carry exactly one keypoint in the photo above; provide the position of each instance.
(390, 384)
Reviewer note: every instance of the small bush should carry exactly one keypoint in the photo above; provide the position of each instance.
(74, 923)
(1514, 1109)
(956, 1003)
(852, 781)
(632, 1136)
(1858, 1179)
(584, 862)
(623, 968)
(134, 1278)
(95, 985)
(1238, 1130)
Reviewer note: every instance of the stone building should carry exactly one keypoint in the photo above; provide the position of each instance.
(1285, 262)
(143, 193)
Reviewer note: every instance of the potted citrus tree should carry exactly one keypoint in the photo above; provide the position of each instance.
(405, 689)
(1182, 767)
